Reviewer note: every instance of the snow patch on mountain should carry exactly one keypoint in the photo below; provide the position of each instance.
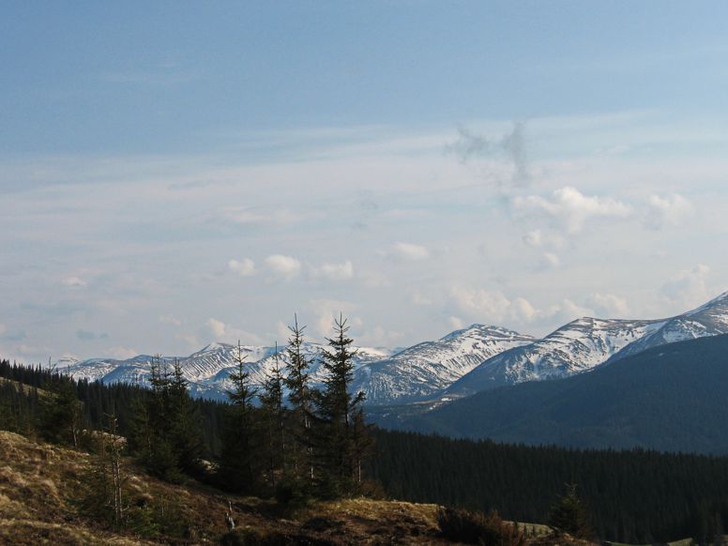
(574, 348)
(422, 370)
(208, 370)
(587, 343)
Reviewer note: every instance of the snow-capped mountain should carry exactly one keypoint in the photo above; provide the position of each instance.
(587, 343)
(462, 362)
(422, 370)
(710, 319)
(208, 370)
(574, 348)
(411, 374)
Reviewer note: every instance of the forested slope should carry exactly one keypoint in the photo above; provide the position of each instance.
(670, 398)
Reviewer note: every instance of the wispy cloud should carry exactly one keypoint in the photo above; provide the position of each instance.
(249, 215)
(244, 267)
(688, 288)
(333, 271)
(470, 146)
(87, 335)
(670, 210)
(406, 252)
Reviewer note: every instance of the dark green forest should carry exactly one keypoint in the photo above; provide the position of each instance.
(634, 496)
(670, 398)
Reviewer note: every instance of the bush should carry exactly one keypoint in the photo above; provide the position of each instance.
(460, 525)
(570, 514)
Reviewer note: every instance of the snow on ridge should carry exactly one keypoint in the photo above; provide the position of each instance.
(460, 362)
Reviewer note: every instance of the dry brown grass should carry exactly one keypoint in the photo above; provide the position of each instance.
(43, 487)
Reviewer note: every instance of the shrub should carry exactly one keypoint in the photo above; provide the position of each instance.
(477, 528)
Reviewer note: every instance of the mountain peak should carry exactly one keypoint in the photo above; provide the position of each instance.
(719, 303)
(214, 346)
(484, 330)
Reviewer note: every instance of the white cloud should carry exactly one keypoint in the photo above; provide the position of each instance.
(327, 311)
(417, 298)
(549, 260)
(217, 328)
(669, 210)
(378, 336)
(492, 306)
(566, 311)
(283, 332)
(121, 353)
(244, 268)
(189, 339)
(74, 282)
(3, 329)
(334, 272)
(456, 323)
(521, 310)
(407, 252)
(608, 305)
(171, 320)
(374, 279)
(571, 209)
(226, 333)
(285, 267)
(688, 287)
(538, 239)
(533, 238)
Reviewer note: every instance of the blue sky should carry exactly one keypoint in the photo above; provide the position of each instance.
(175, 173)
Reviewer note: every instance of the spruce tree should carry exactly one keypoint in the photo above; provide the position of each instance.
(273, 421)
(184, 431)
(155, 419)
(570, 514)
(61, 411)
(237, 457)
(340, 421)
(301, 401)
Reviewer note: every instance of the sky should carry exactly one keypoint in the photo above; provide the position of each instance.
(175, 173)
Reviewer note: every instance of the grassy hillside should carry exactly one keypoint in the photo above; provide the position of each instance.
(49, 495)
(671, 398)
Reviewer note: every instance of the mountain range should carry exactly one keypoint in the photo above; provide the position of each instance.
(666, 398)
(459, 364)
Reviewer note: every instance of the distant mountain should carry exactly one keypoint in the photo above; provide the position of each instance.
(670, 398)
(574, 348)
(709, 319)
(424, 369)
(207, 370)
(587, 343)
(410, 374)
(461, 363)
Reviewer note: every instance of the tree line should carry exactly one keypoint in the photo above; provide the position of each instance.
(636, 496)
(312, 444)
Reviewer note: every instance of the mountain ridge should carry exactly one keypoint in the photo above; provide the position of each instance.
(667, 398)
(587, 343)
(458, 364)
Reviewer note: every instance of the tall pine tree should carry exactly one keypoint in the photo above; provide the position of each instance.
(341, 432)
(237, 470)
(273, 417)
(184, 433)
(301, 401)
